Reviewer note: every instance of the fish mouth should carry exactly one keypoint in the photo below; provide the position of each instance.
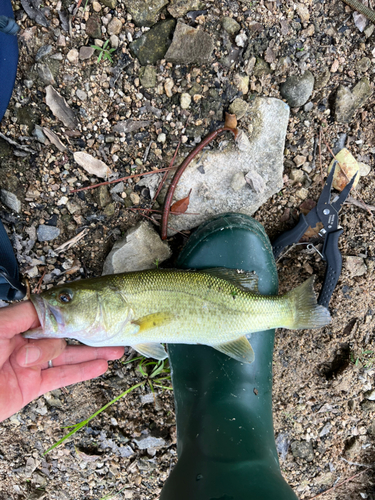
(50, 319)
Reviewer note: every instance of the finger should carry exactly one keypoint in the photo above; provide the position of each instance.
(17, 318)
(37, 352)
(61, 376)
(80, 353)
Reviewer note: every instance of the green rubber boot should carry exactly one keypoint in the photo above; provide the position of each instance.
(225, 439)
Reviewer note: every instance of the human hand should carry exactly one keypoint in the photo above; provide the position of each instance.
(24, 372)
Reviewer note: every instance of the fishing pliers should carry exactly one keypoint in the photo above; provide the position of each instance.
(325, 212)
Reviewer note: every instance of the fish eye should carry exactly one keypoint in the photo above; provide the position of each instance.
(65, 296)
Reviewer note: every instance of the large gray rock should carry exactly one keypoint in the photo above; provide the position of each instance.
(298, 89)
(141, 248)
(190, 45)
(347, 102)
(258, 158)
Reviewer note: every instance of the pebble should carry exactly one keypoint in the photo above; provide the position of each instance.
(147, 77)
(241, 40)
(114, 27)
(239, 108)
(10, 200)
(302, 193)
(230, 25)
(296, 90)
(86, 52)
(73, 56)
(114, 41)
(296, 176)
(299, 160)
(238, 181)
(47, 233)
(303, 449)
(161, 138)
(190, 45)
(308, 107)
(168, 85)
(81, 94)
(135, 198)
(185, 100)
(178, 8)
(149, 442)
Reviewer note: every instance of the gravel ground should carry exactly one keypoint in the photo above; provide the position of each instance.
(323, 380)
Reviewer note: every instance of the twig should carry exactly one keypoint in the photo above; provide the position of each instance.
(362, 9)
(168, 199)
(166, 173)
(39, 285)
(340, 484)
(360, 204)
(123, 179)
(320, 156)
(68, 244)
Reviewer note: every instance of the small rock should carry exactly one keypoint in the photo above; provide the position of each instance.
(10, 200)
(147, 76)
(47, 233)
(153, 45)
(118, 188)
(151, 182)
(303, 449)
(302, 193)
(282, 444)
(73, 56)
(93, 27)
(109, 3)
(114, 26)
(255, 181)
(239, 108)
(356, 266)
(347, 102)
(81, 94)
(242, 83)
(296, 90)
(135, 198)
(230, 25)
(296, 176)
(363, 64)
(241, 40)
(45, 74)
(190, 45)
(309, 106)
(139, 249)
(364, 169)
(326, 429)
(322, 79)
(114, 41)
(161, 138)
(238, 181)
(96, 6)
(178, 8)
(185, 100)
(299, 160)
(103, 196)
(303, 12)
(150, 442)
(38, 133)
(86, 53)
(43, 51)
(145, 12)
(168, 86)
(261, 68)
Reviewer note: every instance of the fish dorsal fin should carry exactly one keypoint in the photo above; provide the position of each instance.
(152, 321)
(247, 281)
(239, 349)
(151, 350)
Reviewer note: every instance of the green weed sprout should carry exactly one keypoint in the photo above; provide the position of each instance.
(104, 53)
(154, 373)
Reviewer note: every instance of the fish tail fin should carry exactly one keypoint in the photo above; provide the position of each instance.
(307, 312)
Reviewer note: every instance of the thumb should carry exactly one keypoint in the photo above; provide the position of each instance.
(41, 351)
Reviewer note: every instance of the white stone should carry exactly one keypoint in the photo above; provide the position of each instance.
(185, 101)
(73, 56)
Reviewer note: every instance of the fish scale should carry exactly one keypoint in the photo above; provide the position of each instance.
(215, 307)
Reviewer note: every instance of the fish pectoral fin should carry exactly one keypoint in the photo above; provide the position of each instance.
(151, 350)
(152, 321)
(239, 349)
(246, 280)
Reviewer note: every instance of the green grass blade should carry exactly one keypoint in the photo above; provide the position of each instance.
(85, 422)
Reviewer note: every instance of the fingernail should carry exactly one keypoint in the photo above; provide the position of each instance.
(32, 354)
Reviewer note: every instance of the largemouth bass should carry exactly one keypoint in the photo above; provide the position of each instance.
(216, 307)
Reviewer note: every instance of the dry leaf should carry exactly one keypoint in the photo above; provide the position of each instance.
(54, 139)
(180, 206)
(92, 165)
(60, 108)
(348, 166)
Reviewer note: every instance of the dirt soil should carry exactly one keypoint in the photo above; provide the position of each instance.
(323, 393)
